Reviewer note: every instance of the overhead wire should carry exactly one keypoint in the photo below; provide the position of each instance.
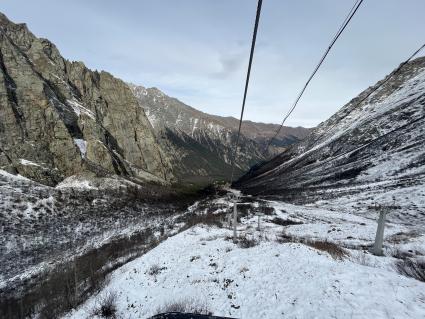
(251, 56)
(341, 29)
(358, 103)
(375, 88)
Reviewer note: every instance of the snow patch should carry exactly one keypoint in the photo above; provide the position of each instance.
(28, 163)
(79, 109)
(75, 182)
(82, 145)
(13, 177)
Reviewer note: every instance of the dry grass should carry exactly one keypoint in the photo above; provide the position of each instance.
(283, 237)
(401, 254)
(336, 252)
(185, 306)
(402, 237)
(411, 268)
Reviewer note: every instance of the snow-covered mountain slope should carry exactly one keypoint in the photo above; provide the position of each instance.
(303, 262)
(201, 144)
(366, 153)
(81, 227)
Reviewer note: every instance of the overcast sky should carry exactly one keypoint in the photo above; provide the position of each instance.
(197, 50)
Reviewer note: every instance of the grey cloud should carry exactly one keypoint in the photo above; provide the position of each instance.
(229, 64)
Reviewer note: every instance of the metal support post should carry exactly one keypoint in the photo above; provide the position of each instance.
(379, 239)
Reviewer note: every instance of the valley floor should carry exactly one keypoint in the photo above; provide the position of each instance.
(303, 262)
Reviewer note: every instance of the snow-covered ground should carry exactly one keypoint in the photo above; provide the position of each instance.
(44, 228)
(280, 274)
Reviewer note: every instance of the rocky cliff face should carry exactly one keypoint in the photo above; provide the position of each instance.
(201, 144)
(373, 151)
(58, 118)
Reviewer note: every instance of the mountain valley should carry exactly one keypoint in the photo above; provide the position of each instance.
(116, 202)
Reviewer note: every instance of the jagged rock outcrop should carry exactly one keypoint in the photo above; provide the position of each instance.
(373, 149)
(58, 118)
(200, 144)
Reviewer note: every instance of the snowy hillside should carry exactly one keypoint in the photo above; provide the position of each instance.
(300, 256)
(72, 235)
(365, 154)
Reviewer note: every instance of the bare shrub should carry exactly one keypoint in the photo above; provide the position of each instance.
(154, 270)
(244, 209)
(106, 306)
(185, 306)
(411, 268)
(283, 237)
(285, 222)
(267, 210)
(247, 242)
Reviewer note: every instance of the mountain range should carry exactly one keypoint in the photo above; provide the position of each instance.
(59, 119)
(201, 145)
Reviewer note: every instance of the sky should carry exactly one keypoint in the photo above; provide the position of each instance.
(197, 50)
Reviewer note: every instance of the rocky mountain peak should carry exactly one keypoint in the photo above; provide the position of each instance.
(58, 118)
